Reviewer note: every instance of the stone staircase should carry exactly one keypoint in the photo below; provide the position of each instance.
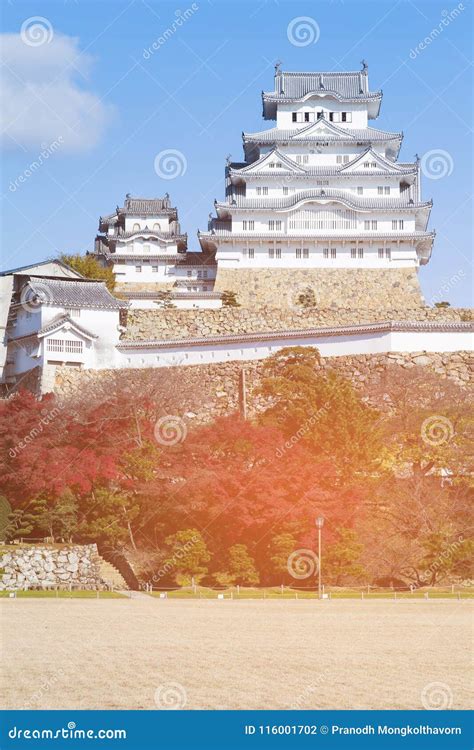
(109, 573)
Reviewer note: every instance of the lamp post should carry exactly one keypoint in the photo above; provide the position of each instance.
(319, 524)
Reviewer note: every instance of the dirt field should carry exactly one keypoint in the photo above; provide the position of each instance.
(150, 653)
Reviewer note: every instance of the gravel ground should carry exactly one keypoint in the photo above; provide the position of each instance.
(150, 653)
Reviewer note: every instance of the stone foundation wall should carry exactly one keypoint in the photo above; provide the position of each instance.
(209, 391)
(371, 288)
(180, 324)
(50, 567)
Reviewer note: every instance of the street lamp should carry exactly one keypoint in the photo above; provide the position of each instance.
(319, 524)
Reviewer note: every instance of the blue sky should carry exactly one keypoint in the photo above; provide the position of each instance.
(80, 88)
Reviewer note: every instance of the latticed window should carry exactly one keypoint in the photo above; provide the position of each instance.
(285, 191)
(306, 252)
(360, 191)
(62, 345)
(360, 252)
(380, 191)
(264, 191)
(271, 252)
(251, 252)
(323, 218)
(353, 252)
(278, 252)
(325, 252)
(298, 252)
(333, 252)
(388, 253)
(387, 190)
(73, 347)
(374, 224)
(271, 224)
(394, 224)
(380, 252)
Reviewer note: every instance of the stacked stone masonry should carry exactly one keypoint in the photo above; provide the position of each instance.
(213, 390)
(375, 289)
(44, 567)
(182, 324)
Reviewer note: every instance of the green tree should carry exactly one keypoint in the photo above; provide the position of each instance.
(59, 517)
(241, 566)
(229, 299)
(165, 300)
(187, 555)
(280, 548)
(20, 523)
(307, 298)
(5, 511)
(90, 267)
(341, 558)
(321, 409)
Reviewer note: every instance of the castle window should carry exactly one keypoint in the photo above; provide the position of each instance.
(305, 159)
(353, 252)
(367, 164)
(204, 273)
(381, 253)
(251, 253)
(264, 191)
(271, 252)
(156, 227)
(298, 158)
(278, 252)
(285, 191)
(380, 191)
(73, 312)
(259, 191)
(400, 224)
(346, 116)
(298, 252)
(388, 253)
(271, 224)
(374, 224)
(339, 159)
(136, 227)
(345, 158)
(333, 252)
(138, 269)
(293, 116)
(189, 272)
(326, 252)
(360, 191)
(366, 224)
(360, 252)
(386, 190)
(154, 269)
(394, 224)
(306, 116)
(199, 275)
(248, 225)
(373, 164)
(279, 165)
(306, 252)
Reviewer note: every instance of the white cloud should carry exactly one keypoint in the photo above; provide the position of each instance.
(44, 96)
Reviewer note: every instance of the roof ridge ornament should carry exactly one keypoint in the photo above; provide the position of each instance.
(365, 66)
